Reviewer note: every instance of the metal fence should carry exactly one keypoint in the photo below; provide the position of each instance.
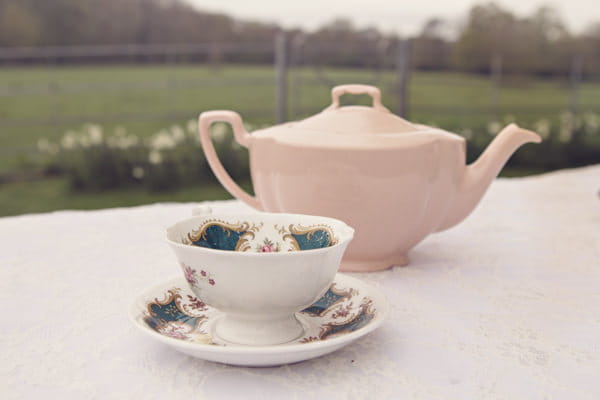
(288, 80)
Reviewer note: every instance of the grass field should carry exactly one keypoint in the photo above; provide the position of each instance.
(45, 102)
(54, 194)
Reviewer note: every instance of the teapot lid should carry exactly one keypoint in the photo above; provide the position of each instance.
(356, 119)
(360, 126)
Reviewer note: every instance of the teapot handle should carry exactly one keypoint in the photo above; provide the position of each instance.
(205, 120)
(372, 91)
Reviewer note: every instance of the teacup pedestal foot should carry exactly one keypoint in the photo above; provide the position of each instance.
(258, 331)
(371, 266)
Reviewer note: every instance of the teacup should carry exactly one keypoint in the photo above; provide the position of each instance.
(259, 269)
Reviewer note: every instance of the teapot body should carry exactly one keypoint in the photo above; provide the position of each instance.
(393, 181)
(392, 197)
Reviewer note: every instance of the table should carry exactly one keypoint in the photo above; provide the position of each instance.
(504, 306)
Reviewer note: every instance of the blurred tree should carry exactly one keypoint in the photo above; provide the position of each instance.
(489, 30)
(550, 47)
(341, 43)
(538, 44)
(590, 48)
(18, 25)
(324, 43)
(431, 50)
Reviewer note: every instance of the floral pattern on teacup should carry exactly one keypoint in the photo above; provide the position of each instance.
(262, 238)
(268, 246)
(193, 277)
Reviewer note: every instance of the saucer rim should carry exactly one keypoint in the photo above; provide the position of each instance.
(378, 297)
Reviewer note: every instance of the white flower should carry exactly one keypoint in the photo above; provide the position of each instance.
(542, 127)
(122, 142)
(466, 133)
(494, 127)
(248, 126)
(508, 119)
(69, 140)
(568, 123)
(138, 172)
(177, 133)
(84, 141)
(192, 126)
(162, 140)
(120, 131)
(155, 157)
(95, 134)
(592, 122)
(566, 115)
(131, 141)
(565, 134)
(219, 132)
(43, 145)
(53, 149)
(112, 141)
(570, 120)
(235, 145)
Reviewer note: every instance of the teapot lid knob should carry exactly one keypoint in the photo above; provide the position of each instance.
(372, 91)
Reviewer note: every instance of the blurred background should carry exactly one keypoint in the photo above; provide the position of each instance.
(99, 99)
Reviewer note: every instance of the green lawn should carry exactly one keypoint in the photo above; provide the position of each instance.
(45, 102)
(54, 194)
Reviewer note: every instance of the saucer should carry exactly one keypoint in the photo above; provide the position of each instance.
(171, 313)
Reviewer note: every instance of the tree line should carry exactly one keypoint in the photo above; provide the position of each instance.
(489, 36)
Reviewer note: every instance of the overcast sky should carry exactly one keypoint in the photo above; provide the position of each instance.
(401, 17)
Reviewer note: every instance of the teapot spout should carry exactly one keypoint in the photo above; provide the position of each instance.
(480, 174)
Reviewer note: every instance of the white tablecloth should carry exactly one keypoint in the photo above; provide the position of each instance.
(504, 306)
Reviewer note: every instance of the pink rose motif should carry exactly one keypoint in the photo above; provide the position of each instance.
(175, 334)
(203, 273)
(190, 274)
(211, 281)
(267, 248)
(173, 331)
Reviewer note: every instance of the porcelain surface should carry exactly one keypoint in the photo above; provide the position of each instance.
(259, 237)
(254, 267)
(394, 181)
(173, 314)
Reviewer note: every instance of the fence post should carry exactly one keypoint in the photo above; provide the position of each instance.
(575, 78)
(496, 76)
(215, 55)
(403, 70)
(296, 60)
(281, 77)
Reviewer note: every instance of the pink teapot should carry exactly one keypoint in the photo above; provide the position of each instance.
(395, 182)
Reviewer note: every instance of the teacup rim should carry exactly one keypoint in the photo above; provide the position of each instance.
(346, 234)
